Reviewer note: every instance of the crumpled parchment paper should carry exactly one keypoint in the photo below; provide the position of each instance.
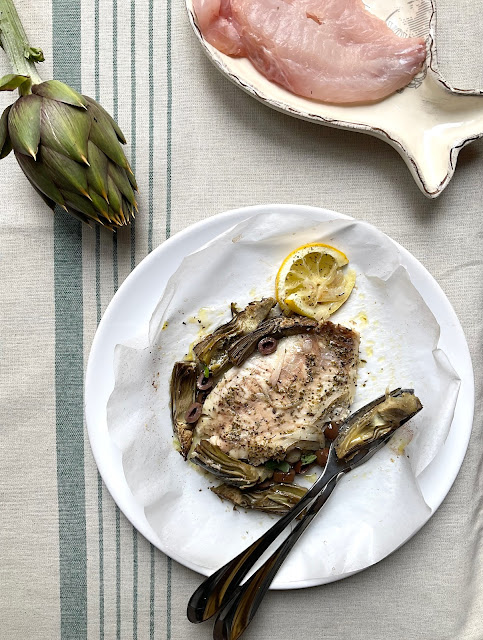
(373, 509)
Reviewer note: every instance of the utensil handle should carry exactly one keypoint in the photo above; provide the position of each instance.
(219, 588)
(241, 609)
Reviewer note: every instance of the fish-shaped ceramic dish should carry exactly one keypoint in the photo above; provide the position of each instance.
(427, 122)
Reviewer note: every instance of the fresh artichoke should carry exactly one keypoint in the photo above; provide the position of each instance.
(67, 145)
(69, 148)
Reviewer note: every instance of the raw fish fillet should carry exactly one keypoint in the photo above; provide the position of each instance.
(215, 21)
(284, 400)
(328, 50)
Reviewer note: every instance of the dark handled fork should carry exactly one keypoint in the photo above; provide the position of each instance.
(222, 590)
(218, 589)
(241, 609)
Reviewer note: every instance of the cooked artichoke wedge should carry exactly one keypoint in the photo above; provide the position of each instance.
(276, 499)
(375, 420)
(182, 392)
(212, 350)
(274, 327)
(233, 472)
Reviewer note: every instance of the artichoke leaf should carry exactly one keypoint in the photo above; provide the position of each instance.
(114, 196)
(112, 122)
(100, 203)
(120, 179)
(7, 147)
(212, 351)
(182, 395)
(104, 135)
(67, 173)
(13, 81)
(277, 499)
(80, 203)
(4, 137)
(278, 327)
(97, 170)
(234, 472)
(375, 420)
(56, 90)
(65, 129)
(131, 178)
(40, 178)
(24, 125)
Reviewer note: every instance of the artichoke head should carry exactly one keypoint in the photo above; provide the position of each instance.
(70, 149)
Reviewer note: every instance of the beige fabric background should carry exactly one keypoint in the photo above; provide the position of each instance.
(71, 566)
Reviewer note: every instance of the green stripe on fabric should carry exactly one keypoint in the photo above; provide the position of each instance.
(150, 245)
(133, 120)
(168, 599)
(115, 274)
(135, 552)
(118, 573)
(100, 510)
(135, 584)
(151, 125)
(169, 122)
(152, 576)
(100, 522)
(100, 515)
(169, 110)
(66, 36)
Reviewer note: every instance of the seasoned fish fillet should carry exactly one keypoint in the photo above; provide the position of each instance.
(273, 403)
(328, 50)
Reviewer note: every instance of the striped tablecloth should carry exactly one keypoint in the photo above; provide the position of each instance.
(71, 565)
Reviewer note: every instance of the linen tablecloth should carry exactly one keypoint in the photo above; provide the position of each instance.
(71, 565)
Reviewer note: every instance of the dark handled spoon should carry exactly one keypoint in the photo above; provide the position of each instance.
(224, 585)
(212, 595)
(241, 609)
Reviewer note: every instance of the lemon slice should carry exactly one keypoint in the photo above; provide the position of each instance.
(312, 281)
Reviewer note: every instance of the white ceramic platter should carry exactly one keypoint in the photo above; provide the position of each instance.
(129, 313)
(428, 122)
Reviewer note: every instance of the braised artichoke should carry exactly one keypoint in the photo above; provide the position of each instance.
(233, 472)
(375, 420)
(277, 328)
(212, 351)
(276, 499)
(183, 389)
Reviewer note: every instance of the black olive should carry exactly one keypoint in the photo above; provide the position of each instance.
(267, 345)
(194, 412)
(203, 383)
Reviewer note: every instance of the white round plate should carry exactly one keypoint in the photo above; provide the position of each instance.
(129, 313)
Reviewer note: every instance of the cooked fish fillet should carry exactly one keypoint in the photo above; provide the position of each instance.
(328, 50)
(273, 403)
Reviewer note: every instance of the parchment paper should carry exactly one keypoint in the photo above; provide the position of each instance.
(374, 509)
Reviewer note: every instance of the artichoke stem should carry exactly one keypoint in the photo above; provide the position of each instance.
(13, 40)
